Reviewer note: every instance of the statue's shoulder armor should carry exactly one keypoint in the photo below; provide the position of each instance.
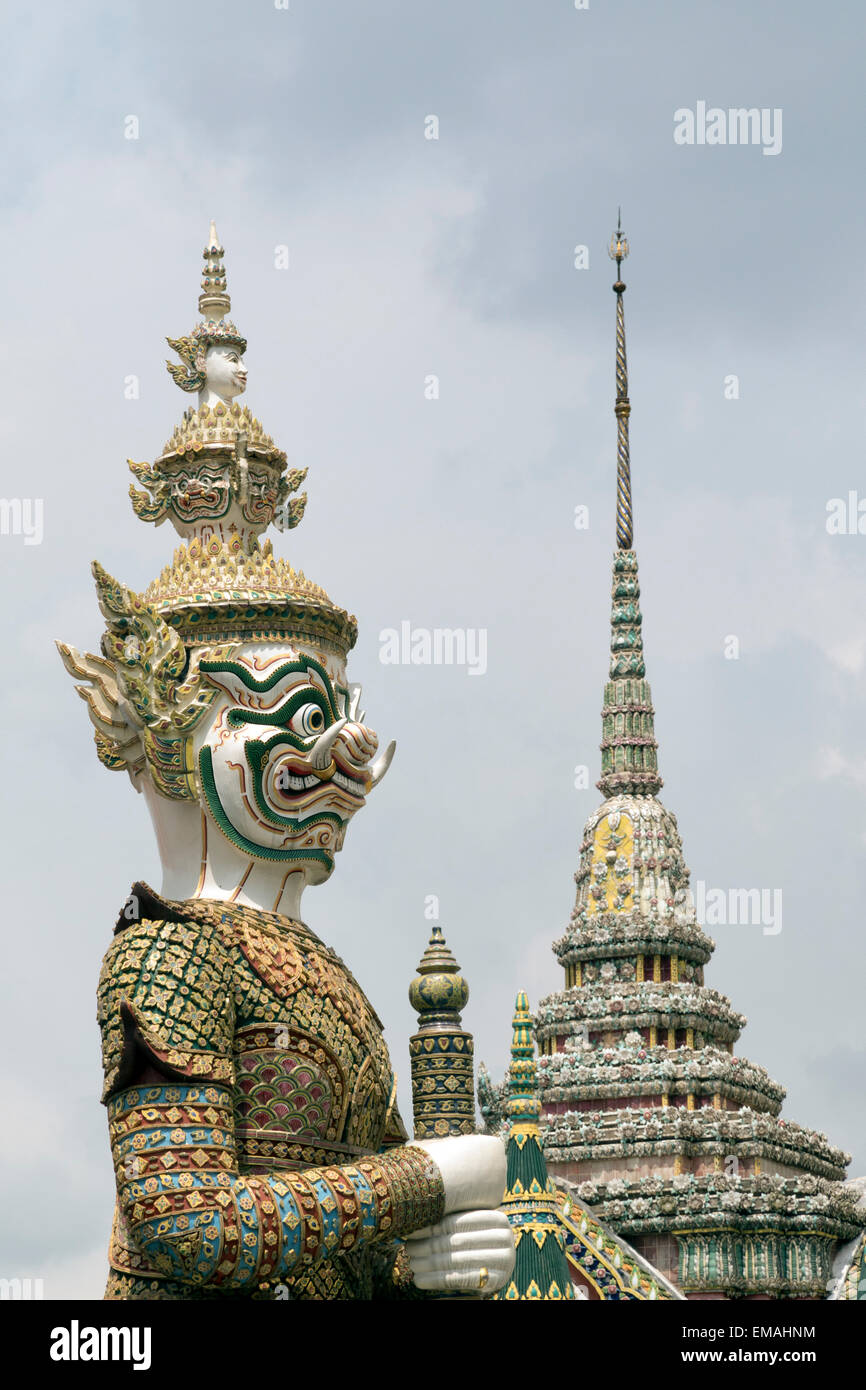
(165, 996)
(290, 961)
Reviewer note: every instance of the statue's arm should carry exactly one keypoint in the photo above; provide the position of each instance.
(198, 1220)
(166, 1012)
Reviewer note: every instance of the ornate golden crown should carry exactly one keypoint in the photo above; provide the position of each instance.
(221, 481)
(216, 592)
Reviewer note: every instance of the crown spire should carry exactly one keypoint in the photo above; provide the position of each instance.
(214, 331)
(628, 749)
(213, 302)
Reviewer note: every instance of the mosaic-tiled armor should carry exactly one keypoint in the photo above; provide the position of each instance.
(273, 1134)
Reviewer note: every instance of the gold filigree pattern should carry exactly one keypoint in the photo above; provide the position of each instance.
(249, 594)
(217, 427)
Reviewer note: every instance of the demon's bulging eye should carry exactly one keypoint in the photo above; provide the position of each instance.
(308, 721)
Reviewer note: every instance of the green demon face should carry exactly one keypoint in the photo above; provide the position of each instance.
(285, 760)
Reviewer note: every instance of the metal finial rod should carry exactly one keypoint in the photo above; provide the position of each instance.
(618, 250)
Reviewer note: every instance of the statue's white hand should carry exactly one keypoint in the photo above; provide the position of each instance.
(473, 1170)
(469, 1252)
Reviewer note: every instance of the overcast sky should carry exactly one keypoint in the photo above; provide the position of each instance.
(409, 258)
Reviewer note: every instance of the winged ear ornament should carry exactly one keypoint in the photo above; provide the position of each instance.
(143, 695)
(191, 375)
(118, 740)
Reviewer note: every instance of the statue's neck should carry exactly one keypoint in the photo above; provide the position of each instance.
(198, 862)
(210, 398)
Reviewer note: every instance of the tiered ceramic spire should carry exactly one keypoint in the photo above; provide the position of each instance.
(540, 1269)
(675, 1142)
(628, 749)
(214, 301)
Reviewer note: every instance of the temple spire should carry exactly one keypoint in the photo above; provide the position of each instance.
(628, 748)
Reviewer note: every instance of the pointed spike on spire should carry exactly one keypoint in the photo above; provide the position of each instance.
(214, 301)
(617, 251)
(629, 763)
